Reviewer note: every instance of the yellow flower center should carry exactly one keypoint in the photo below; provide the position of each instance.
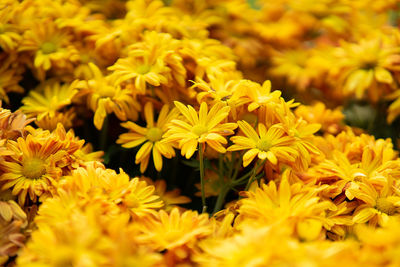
(143, 69)
(33, 168)
(199, 129)
(48, 48)
(385, 206)
(154, 134)
(264, 144)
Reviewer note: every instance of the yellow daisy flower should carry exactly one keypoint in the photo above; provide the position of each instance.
(365, 65)
(271, 144)
(174, 230)
(295, 205)
(9, 31)
(142, 68)
(32, 169)
(151, 136)
(47, 100)
(108, 187)
(50, 48)
(204, 127)
(330, 119)
(378, 204)
(104, 98)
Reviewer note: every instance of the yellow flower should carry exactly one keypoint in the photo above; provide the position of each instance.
(330, 119)
(141, 67)
(261, 95)
(152, 135)
(173, 230)
(271, 144)
(47, 99)
(201, 127)
(367, 66)
(104, 98)
(50, 123)
(295, 205)
(114, 191)
(9, 31)
(31, 170)
(378, 204)
(50, 48)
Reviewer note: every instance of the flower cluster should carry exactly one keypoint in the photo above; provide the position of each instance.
(111, 108)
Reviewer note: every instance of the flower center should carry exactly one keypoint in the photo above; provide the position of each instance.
(48, 48)
(385, 206)
(154, 134)
(199, 129)
(33, 168)
(264, 144)
(143, 69)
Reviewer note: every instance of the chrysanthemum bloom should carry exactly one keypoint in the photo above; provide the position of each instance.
(272, 245)
(65, 118)
(368, 65)
(294, 205)
(38, 162)
(202, 127)
(303, 134)
(142, 68)
(223, 88)
(271, 144)
(151, 136)
(104, 98)
(295, 66)
(330, 119)
(174, 230)
(50, 48)
(78, 233)
(47, 101)
(116, 191)
(9, 31)
(378, 204)
(163, 48)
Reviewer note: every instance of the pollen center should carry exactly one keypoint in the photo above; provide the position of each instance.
(143, 69)
(199, 129)
(33, 168)
(48, 48)
(385, 206)
(154, 134)
(264, 144)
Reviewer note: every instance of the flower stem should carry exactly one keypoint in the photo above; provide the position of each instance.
(203, 194)
(253, 175)
(221, 199)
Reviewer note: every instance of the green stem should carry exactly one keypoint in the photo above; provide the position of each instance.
(203, 195)
(221, 199)
(253, 175)
(238, 166)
